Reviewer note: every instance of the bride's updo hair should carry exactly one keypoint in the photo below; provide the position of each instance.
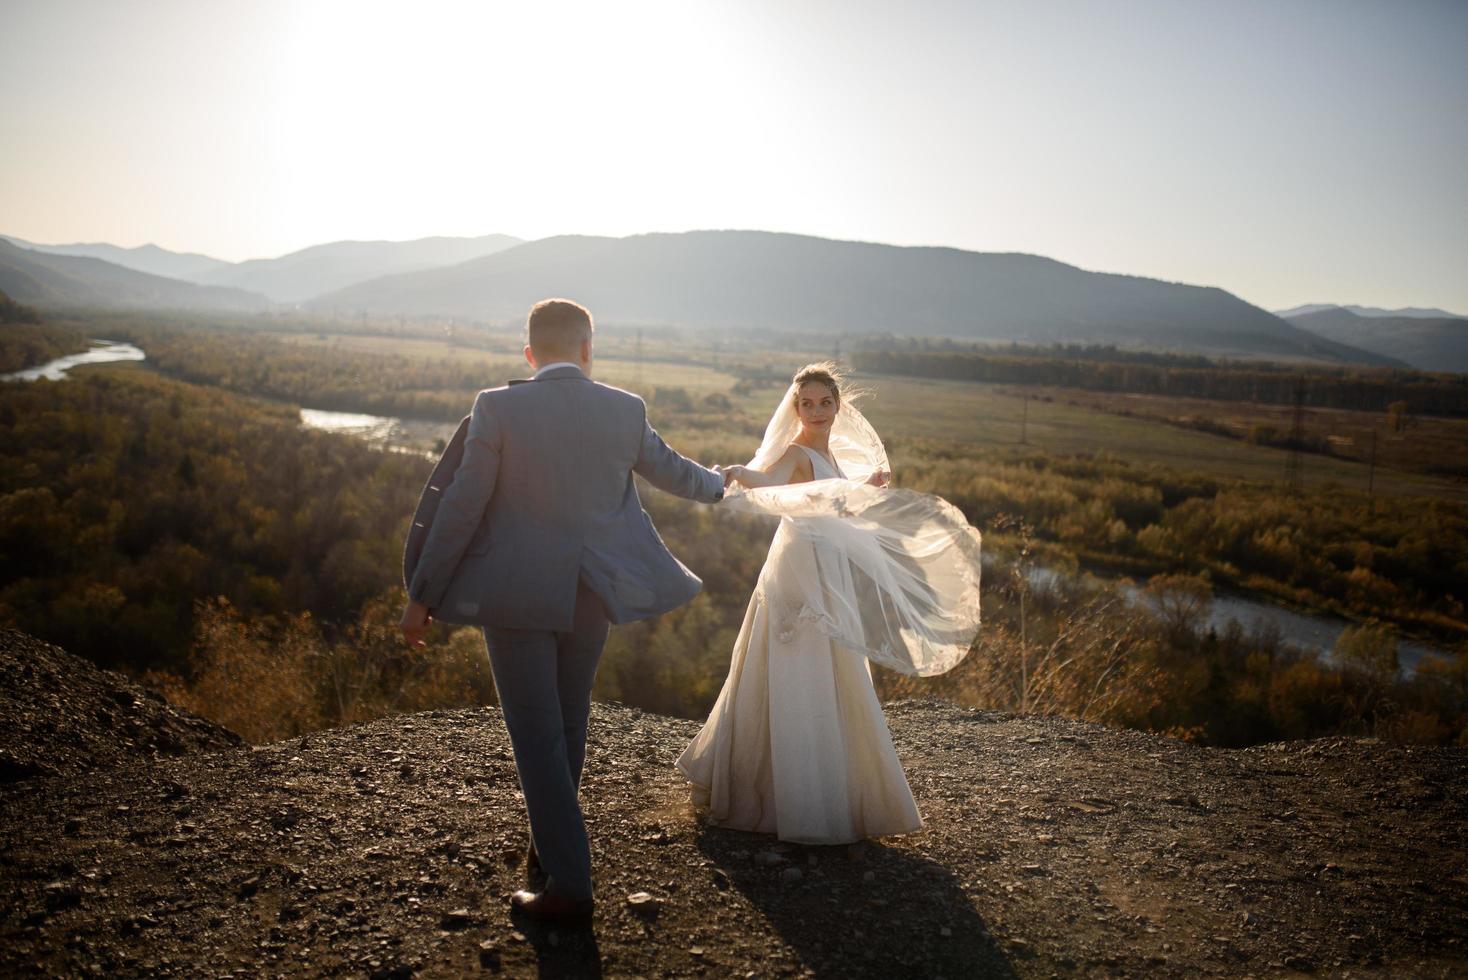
(828, 373)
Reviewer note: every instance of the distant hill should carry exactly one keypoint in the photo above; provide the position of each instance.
(150, 258)
(738, 280)
(1369, 311)
(44, 279)
(13, 312)
(1430, 344)
(325, 268)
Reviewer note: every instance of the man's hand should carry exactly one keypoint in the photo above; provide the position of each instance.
(415, 623)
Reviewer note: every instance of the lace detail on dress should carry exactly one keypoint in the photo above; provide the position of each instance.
(791, 615)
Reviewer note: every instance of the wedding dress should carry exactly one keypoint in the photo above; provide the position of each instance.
(796, 744)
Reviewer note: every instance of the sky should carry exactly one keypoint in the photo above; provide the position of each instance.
(1288, 152)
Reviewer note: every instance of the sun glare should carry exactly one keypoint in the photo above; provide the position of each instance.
(466, 113)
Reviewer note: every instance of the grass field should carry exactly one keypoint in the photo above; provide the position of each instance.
(986, 417)
(697, 379)
(1424, 444)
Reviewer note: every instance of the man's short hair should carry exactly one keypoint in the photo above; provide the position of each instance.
(556, 327)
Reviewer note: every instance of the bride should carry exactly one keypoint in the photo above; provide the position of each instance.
(796, 744)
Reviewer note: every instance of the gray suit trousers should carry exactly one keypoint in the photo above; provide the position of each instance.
(544, 681)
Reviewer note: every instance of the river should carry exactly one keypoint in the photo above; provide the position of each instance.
(1315, 632)
(413, 437)
(103, 352)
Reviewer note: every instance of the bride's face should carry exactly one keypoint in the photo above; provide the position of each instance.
(817, 406)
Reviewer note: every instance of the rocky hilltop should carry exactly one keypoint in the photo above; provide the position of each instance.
(137, 839)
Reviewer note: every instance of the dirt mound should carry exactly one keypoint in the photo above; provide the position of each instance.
(1052, 847)
(63, 715)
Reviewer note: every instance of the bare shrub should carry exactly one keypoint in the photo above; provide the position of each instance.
(1181, 602)
(1079, 654)
(274, 681)
(258, 684)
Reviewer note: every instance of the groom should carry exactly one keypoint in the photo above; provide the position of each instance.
(541, 537)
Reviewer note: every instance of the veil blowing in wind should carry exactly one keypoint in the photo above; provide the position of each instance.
(898, 570)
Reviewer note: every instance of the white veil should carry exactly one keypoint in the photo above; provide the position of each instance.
(892, 574)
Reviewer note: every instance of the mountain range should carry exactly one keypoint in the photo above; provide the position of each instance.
(149, 258)
(1419, 312)
(739, 281)
(754, 280)
(48, 280)
(1438, 343)
(293, 277)
(325, 268)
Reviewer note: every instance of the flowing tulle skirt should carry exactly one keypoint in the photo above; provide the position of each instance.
(797, 744)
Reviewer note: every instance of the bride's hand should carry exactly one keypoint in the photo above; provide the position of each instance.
(733, 474)
(880, 478)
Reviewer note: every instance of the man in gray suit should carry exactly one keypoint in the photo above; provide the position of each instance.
(542, 539)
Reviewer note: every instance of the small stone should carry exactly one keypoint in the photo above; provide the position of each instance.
(791, 875)
(644, 904)
(768, 859)
(61, 895)
(456, 919)
(869, 876)
(945, 932)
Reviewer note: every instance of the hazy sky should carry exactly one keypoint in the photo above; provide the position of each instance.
(1286, 150)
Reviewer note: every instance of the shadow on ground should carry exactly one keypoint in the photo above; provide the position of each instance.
(865, 909)
(559, 952)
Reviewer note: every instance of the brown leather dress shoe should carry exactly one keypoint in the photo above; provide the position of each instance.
(553, 908)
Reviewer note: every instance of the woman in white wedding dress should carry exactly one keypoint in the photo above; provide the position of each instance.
(796, 744)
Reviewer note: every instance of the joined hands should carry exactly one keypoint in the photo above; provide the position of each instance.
(735, 474)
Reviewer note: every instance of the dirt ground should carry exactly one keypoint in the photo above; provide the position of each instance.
(136, 839)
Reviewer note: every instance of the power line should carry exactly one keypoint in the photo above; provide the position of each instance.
(1294, 461)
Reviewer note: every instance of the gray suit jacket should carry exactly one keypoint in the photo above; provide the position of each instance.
(540, 495)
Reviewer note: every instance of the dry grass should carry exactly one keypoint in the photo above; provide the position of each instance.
(271, 682)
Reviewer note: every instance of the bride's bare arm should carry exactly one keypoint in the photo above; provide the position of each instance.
(793, 467)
